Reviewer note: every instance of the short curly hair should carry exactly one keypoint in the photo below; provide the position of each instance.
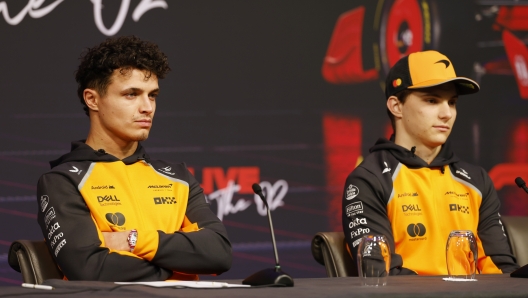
(125, 53)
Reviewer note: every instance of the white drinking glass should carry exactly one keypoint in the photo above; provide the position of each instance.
(461, 255)
(373, 260)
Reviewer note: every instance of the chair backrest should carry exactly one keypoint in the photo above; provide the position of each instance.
(517, 229)
(329, 249)
(34, 261)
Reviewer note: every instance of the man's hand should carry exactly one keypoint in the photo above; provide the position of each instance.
(117, 240)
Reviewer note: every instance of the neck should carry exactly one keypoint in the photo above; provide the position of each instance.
(118, 149)
(423, 151)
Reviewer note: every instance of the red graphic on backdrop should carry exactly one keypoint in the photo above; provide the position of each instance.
(503, 175)
(342, 149)
(243, 176)
(404, 30)
(513, 18)
(407, 26)
(230, 189)
(518, 57)
(343, 63)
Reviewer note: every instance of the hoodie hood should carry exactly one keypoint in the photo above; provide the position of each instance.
(81, 152)
(408, 158)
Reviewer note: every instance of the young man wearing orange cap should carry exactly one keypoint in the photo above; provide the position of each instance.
(412, 188)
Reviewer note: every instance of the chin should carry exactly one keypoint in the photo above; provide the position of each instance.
(140, 137)
(437, 142)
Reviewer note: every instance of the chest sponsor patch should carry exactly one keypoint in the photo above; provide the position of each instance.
(459, 208)
(116, 219)
(104, 187)
(412, 210)
(408, 194)
(108, 200)
(463, 196)
(416, 231)
(352, 192)
(164, 200)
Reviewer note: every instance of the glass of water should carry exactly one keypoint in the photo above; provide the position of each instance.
(461, 255)
(373, 260)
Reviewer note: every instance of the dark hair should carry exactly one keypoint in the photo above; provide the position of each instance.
(402, 96)
(124, 53)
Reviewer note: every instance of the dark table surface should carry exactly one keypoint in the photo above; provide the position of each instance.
(397, 286)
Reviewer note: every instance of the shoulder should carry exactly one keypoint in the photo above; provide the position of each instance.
(375, 173)
(377, 164)
(74, 171)
(471, 174)
(175, 170)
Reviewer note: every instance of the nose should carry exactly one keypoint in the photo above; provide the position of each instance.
(146, 105)
(446, 111)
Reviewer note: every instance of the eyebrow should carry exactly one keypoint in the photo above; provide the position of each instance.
(157, 90)
(425, 94)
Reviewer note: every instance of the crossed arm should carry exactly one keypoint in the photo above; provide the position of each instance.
(75, 241)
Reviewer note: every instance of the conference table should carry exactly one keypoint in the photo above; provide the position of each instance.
(397, 286)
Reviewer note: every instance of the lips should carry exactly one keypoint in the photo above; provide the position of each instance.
(144, 122)
(442, 127)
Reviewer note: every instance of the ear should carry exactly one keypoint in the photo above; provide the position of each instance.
(91, 98)
(394, 106)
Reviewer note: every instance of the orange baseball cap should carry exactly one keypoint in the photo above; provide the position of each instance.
(425, 69)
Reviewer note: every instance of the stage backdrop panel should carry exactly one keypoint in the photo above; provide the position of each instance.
(285, 93)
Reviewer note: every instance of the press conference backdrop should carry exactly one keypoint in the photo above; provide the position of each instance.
(285, 93)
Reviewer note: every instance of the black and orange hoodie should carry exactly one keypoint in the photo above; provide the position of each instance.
(88, 192)
(416, 205)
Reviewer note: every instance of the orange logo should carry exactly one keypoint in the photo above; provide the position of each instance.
(396, 82)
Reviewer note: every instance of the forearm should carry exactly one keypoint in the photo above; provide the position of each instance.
(365, 213)
(491, 233)
(75, 242)
(201, 246)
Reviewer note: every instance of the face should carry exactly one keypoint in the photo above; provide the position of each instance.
(428, 116)
(126, 111)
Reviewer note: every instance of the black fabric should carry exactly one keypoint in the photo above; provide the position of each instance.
(82, 152)
(407, 157)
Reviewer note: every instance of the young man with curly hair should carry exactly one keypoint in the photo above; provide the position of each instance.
(412, 188)
(107, 211)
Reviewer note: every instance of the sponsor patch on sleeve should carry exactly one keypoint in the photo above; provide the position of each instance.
(354, 208)
(44, 200)
(352, 192)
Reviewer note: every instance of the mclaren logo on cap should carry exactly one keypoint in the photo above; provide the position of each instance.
(396, 82)
(446, 62)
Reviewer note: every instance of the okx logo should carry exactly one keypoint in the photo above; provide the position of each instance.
(457, 207)
(117, 219)
(416, 230)
(164, 200)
